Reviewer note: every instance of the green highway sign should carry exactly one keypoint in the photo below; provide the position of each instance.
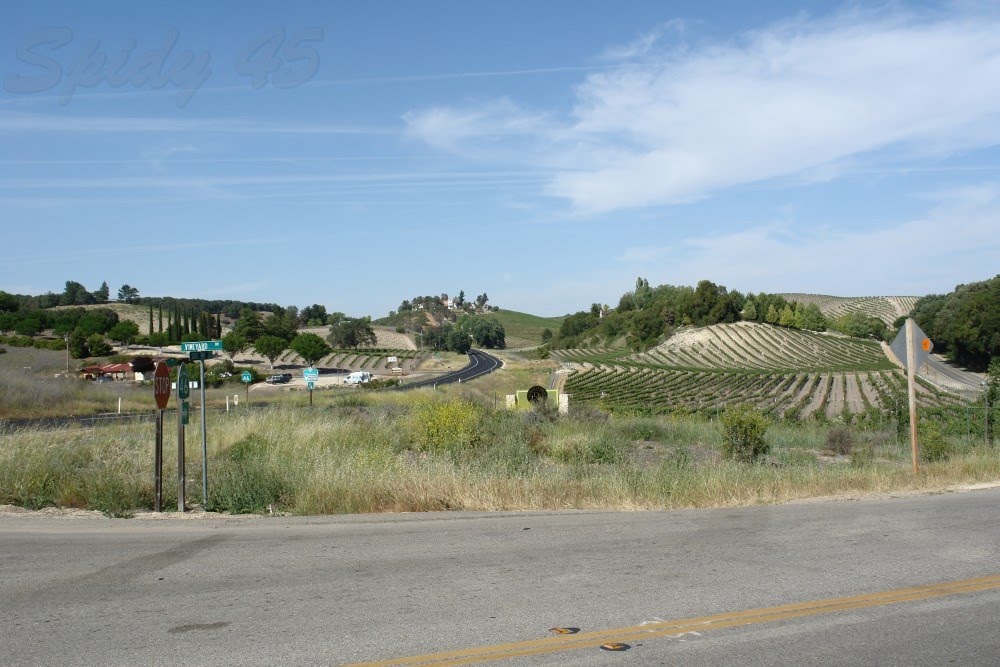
(183, 385)
(310, 385)
(246, 377)
(201, 346)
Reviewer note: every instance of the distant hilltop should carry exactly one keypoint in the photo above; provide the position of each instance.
(886, 308)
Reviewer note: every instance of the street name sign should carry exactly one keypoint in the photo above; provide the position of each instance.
(201, 355)
(201, 346)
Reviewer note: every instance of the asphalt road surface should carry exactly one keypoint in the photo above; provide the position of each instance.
(479, 364)
(906, 581)
(952, 372)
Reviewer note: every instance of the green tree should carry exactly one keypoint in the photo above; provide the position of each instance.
(127, 293)
(546, 335)
(158, 339)
(78, 348)
(310, 347)
(787, 318)
(459, 341)
(124, 332)
(351, 333)
(103, 293)
(234, 343)
(813, 319)
(249, 325)
(270, 347)
(98, 346)
(750, 312)
(772, 316)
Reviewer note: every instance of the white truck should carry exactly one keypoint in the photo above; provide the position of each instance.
(358, 377)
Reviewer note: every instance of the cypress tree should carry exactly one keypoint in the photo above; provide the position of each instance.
(161, 319)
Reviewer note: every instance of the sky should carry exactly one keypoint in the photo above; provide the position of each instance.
(355, 154)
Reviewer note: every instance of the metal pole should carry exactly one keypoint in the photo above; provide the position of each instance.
(180, 455)
(911, 381)
(204, 442)
(158, 464)
(67, 354)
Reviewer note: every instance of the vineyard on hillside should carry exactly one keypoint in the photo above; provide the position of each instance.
(785, 373)
(886, 308)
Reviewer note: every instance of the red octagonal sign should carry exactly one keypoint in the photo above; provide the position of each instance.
(161, 385)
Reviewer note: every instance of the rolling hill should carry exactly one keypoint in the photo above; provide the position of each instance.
(784, 372)
(886, 308)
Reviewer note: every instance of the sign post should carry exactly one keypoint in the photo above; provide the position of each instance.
(200, 355)
(161, 392)
(311, 375)
(183, 391)
(247, 378)
(911, 347)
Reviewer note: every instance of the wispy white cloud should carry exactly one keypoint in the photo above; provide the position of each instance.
(902, 258)
(644, 43)
(803, 98)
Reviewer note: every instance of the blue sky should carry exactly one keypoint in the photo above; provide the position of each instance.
(356, 154)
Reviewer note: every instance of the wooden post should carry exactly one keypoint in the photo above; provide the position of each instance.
(911, 381)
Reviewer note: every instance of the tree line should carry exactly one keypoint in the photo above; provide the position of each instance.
(647, 314)
(965, 323)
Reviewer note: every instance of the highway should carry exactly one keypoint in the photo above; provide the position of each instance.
(963, 377)
(480, 363)
(896, 581)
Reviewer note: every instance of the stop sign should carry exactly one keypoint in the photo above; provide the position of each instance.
(161, 385)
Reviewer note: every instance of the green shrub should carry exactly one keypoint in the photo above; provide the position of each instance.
(444, 425)
(743, 431)
(933, 446)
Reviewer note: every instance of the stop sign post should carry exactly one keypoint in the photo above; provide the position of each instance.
(161, 392)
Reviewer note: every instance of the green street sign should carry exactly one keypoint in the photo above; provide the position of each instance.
(185, 412)
(183, 385)
(201, 346)
(246, 377)
(310, 374)
(201, 356)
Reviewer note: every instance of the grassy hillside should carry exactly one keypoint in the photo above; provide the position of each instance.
(886, 308)
(523, 329)
(126, 311)
(786, 373)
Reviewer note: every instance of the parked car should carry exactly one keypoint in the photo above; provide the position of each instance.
(280, 379)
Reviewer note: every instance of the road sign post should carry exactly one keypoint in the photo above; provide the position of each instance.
(161, 392)
(183, 391)
(247, 378)
(912, 347)
(311, 375)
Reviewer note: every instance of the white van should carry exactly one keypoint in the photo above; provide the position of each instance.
(358, 377)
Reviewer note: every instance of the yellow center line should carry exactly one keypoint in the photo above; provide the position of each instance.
(698, 624)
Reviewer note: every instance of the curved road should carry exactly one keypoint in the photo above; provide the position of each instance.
(954, 373)
(480, 363)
